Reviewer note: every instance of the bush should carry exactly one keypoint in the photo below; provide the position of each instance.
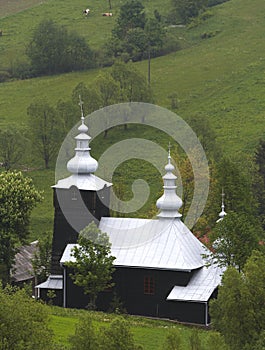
(24, 322)
(4, 76)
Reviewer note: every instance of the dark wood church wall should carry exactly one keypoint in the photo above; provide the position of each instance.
(143, 292)
(74, 210)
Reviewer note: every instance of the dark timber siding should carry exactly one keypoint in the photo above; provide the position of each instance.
(80, 208)
(129, 286)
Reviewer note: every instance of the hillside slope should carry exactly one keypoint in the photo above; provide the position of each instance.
(221, 77)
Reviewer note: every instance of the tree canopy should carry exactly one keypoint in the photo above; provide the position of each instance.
(55, 50)
(46, 130)
(135, 36)
(24, 323)
(234, 239)
(12, 147)
(238, 311)
(18, 196)
(93, 265)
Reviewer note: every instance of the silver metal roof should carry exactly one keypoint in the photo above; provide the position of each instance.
(89, 182)
(53, 282)
(201, 286)
(158, 244)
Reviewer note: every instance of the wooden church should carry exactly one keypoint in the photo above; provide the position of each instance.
(160, 270)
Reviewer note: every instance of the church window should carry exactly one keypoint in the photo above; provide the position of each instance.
(149, 285)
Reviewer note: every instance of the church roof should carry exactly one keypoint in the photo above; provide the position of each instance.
(201, 286)
(82, 165)
(157, 244)
(88, 182)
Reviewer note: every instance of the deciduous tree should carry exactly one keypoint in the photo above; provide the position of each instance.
(231, 313)
(238, 311)
(54, 50)
(46, 130)
(234, 239)
(93, 265)
(12, 147)
(18, 196)
(24, 323)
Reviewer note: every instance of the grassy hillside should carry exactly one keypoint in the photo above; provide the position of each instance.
(221, 77)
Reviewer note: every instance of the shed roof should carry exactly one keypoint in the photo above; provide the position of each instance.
(201, 286)
(53, 282)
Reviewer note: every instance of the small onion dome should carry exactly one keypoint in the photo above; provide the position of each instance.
(82, 162)
(222, 214)
(169, 203)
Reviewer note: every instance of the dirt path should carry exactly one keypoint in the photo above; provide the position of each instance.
(8, 7)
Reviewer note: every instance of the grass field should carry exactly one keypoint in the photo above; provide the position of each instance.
(220, 78)
(151, 334)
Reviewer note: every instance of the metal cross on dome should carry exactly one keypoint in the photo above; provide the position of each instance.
(81, 107)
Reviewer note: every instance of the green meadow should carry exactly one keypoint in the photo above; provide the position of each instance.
(219, 75)
(150, 333)
(220, 78)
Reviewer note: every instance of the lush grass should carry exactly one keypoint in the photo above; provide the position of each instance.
(17, 28)
(221, 78)
(151, 334)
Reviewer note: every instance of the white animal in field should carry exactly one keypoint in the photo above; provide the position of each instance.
(86, 12)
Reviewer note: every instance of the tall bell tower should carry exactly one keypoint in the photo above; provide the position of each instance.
(78, 200)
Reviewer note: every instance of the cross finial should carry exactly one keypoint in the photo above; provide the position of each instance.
(223, 195)
(169, 147)
(81, 107)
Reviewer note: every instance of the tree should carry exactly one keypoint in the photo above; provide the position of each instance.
(85, 337)
(134, 37)
(231, 312)
(12, 147)
(18, 196)
(133, 86)
(254, 272)
(54, 50)
(238, 311)
(90, 97)
(234, 239)
(41, 262)
(69, 113)
(93, 266)
(46, 130)
(24, 323)
(259, 181)
(188, 9)
(117, 336)
(131, 16)
(237, 187)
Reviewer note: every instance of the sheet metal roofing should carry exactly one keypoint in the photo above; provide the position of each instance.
(157, 244)
(53, 282)
(88, 182)
(201, 286)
